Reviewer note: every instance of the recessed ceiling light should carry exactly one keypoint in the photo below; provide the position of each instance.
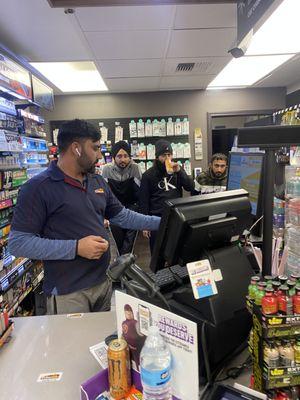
(81, 76)
(280, 33)
(245, 71)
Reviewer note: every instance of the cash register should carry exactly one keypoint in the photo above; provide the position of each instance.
(192, 229)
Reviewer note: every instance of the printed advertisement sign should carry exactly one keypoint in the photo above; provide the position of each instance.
(135, 316)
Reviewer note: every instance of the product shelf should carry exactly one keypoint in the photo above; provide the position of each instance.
(31, 288)
(8, 280)
(6, 204)
(35, 151)
(272, 327)
(31, 116)
(5, 223)
(186, 135)
(152, 159)
(10, 168)
(34, 135)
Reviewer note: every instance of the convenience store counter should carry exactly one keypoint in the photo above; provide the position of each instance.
(57, 343)
(52, 343)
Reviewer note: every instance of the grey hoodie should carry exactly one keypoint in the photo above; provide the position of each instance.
(124, 182)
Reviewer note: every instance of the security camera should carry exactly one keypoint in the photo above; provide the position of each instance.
(240, 49)
(69, 11)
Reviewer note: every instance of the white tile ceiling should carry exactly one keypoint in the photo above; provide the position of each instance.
(201, 42)
(205, 16)
(133, 84)
(127, 45)
(136, 48)
(185, 82)
(125, 18)
(129, 68)
(32, 29)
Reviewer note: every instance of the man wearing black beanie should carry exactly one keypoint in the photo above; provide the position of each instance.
(164, 181)
(124, 178)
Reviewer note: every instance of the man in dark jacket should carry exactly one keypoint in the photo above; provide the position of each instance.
(164, 181)
(124, 178)
(216, 175)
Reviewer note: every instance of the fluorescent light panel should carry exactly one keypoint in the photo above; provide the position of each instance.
(245, 71)
(80, 76)
(280, 33)
(276, 41)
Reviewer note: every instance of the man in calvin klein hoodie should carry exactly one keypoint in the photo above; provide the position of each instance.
(159, 185)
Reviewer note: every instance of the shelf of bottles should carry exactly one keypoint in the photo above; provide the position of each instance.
(144, 134)
(23, 154)
(274, 341)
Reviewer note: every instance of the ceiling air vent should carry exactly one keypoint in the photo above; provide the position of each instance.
(185, 67)
(202, 67)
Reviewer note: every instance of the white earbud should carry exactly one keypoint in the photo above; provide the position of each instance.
(78, 152)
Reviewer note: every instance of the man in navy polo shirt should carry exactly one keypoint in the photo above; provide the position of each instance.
(59, 218)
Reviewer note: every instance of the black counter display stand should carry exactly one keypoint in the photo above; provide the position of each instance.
(270, 139)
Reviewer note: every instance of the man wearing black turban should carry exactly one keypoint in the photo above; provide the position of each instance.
(124, 178)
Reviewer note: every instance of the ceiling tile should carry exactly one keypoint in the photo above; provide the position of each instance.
(125, 18)
(206, 16)
(132, 84)
(201, 42)
(203, 65)
(186, 82)
(39, 33)
(128, 44)
(129, 68)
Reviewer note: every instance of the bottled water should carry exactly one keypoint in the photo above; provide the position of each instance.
(156, 367)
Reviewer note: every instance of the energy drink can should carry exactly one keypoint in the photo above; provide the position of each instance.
(119, 372)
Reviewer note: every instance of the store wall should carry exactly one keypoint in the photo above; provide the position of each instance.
(196, 104)
(228, 122)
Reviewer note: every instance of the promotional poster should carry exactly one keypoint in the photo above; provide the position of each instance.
(135, 316)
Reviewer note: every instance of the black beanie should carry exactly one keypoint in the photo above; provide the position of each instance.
(120, 145)
(162, 146)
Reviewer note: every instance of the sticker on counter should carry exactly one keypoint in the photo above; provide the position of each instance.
(99, 351)
(202, 279)
(75, 315)
(50, 377)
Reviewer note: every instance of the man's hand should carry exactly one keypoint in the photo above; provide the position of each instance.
(176, 167)
(92, 247)
(147, 234)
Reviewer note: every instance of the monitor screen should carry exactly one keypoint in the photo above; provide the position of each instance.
(42, 94)
(14, 78)
(191, 225)
(245, 172)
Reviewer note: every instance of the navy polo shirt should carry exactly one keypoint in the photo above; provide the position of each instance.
(55, 206)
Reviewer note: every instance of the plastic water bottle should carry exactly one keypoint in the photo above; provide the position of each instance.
(156, 367)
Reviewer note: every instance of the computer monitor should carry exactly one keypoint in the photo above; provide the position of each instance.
(245, 171)
(192, 226)
(207, 227)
